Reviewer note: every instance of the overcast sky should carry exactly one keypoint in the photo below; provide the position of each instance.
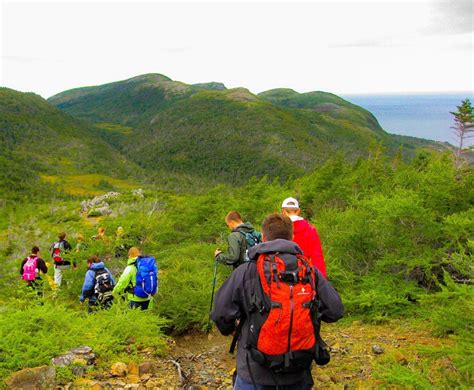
(345, 47)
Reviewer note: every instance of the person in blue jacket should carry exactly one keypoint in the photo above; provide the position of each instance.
(98, 285)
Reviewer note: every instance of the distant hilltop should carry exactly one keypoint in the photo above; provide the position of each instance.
(151, 127)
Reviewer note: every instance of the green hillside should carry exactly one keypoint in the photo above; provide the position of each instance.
(41, 144)
(228, 135)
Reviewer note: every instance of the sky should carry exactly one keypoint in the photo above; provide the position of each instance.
(343, 47)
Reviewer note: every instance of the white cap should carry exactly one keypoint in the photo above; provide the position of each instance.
(290, 203)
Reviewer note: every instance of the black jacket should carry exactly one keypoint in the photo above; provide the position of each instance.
(231, 303)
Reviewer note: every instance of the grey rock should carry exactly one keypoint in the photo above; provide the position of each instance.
(64, 360)
(377, 349)
(97, 202)
(83, 354)
(103, 210)
(79, 370)
(81, 350)
(139, 192)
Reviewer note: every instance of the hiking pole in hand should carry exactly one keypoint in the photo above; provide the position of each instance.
(212, 297)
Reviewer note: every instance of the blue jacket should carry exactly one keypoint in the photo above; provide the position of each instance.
(89, 280)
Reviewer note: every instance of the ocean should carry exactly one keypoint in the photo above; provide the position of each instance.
(423, 116)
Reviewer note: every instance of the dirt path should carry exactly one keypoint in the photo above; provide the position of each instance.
(359, 351)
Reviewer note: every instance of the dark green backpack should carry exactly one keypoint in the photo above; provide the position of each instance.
(251, 238)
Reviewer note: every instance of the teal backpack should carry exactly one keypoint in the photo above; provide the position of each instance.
(251, 238)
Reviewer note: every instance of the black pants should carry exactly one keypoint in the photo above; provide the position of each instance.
(94, 305)
(142, 305)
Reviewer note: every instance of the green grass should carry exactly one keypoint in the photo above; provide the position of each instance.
(396, 236)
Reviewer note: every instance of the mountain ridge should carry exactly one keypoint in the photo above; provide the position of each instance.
(230, 135)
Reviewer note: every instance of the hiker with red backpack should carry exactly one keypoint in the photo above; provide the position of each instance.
(58, 249)
(139, 280)
(305, 234)
(31, 267)
(278, 300)
(98, 285)
(242, 237)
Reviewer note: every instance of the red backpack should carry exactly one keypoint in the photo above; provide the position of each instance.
(56, 252)
(283, 323)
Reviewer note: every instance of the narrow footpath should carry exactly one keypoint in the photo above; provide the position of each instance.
(200, 361)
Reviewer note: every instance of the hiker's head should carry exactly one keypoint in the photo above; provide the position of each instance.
(93, 259)
(290, 206)
(101, 231)
(233, 219)
(62, 236)
(277, 226)
(35, 250)
(133, 252)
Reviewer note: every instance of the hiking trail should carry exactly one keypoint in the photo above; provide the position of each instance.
(201, 361)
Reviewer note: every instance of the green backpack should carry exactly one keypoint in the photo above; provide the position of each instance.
(251, 239)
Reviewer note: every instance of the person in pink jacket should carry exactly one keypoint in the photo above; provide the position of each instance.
(305, 234)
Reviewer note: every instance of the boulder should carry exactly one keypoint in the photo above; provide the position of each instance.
(119, 369)
(147, 368)
(133, 369)
(138, 193)
(84, 350)
(78, 371)
(103, 210)
(38, 378)
(377, 349)
(97, 202)
(63, 360)
(78, 356)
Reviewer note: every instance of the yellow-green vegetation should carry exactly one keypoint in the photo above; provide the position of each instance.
(92, 184)
(398, 240)
(114, 128)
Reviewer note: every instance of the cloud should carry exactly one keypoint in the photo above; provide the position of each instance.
(173, 50)
(20, 59)
(367, 43)
(451, 17)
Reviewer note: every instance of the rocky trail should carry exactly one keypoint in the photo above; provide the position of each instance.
(199, 361)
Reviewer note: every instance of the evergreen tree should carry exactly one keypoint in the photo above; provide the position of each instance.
(463, 127)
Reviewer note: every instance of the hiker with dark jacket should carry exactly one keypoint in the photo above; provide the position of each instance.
(58, 249)
(305, 234)
(236, 301)
(237, 242)
(31, 267)
(98, 285)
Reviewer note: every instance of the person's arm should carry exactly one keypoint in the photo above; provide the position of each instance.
(42, 266)
(110, 276)
(233, 253)
(331, 308)
(228, 302)
(88, 285)
(21, 266)
(317, 255)
(124, 280)
(67, 246)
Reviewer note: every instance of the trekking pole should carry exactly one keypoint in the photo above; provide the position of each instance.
(212, 297)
